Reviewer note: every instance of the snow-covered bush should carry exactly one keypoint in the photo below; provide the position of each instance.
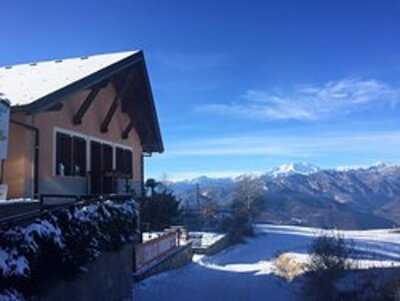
(61, 242)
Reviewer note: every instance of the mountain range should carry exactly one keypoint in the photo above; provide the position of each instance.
(302, 193)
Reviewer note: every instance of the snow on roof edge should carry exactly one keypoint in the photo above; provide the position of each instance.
(23, 84)
(57, 60)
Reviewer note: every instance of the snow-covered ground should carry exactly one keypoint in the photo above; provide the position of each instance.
(246, 272)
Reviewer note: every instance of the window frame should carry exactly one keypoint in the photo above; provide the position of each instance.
(88, 139)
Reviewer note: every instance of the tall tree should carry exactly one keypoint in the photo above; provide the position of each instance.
(150, 186)
(160, 208)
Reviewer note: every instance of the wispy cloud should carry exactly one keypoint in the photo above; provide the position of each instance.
(379, 143)
(179, 176)
(309, 102)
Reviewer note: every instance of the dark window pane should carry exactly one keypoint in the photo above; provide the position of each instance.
(124, 161)
(95, 163)
(107, 157)
(120, 160)
(63, 154)
(107, 168)
(128, 162)
(79, 156)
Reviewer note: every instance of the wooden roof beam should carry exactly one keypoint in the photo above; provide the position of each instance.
(77, 119)
(110, 113)
(127, 130)
(117, 101)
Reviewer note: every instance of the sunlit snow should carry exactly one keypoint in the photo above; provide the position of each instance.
(246, 272)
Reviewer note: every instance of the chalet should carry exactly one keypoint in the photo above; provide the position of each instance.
(79, 126)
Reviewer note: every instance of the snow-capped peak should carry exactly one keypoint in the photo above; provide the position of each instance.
(303, 168)
(378, 165)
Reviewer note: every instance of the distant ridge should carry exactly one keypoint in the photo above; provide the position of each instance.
(302, 193)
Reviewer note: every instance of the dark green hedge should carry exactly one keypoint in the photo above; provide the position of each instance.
(61, 242)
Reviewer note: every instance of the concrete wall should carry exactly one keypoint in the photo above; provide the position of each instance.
(218, 246)
(109, 278)
(152, 250)
(19, 165)
(181, 257)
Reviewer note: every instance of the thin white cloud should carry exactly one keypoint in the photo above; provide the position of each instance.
(311, 102)
(232, 150)
(297, 147)
(180, 176)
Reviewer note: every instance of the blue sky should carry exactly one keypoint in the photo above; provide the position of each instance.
(240, 86)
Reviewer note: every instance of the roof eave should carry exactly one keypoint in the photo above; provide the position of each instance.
(160, 145)
(150, 149)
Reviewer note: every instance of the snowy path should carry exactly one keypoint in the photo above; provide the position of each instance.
(244, 272)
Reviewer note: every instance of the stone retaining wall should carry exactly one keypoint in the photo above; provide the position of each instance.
(180, 257)
(218, 246)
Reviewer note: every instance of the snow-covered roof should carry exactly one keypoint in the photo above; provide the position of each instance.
(23, 84)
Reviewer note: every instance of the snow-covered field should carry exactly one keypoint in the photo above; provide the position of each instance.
(246, 272)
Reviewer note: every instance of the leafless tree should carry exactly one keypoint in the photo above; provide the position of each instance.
(249, 192)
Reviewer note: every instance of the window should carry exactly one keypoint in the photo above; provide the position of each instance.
(70, 155)
(120, 160)
(107, 157)
(129, 162)
(107, 167)
(73, 152)
(79, 156)
(124, 161)
(63, 154)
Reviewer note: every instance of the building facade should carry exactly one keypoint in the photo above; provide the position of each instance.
(79, 126)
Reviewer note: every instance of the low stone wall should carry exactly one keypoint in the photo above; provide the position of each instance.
(218, 246)
(178, 258)
(108, 278)
(153, 250)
